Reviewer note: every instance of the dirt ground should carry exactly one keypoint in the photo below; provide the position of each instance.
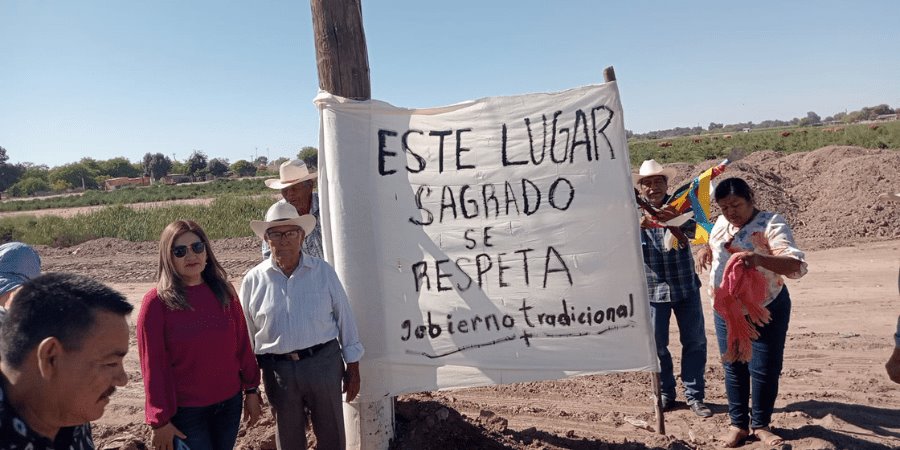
(834, 393)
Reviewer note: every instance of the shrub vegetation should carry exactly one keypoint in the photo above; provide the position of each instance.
(693, 149)
(155, 193)
(227, 216)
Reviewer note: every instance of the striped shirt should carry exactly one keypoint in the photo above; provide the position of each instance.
(288, 313)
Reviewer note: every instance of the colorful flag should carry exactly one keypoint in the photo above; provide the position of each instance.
(695, 196)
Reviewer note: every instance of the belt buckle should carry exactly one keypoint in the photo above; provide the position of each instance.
(294, 356)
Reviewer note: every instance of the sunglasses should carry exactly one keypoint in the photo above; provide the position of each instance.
(278, 235)
(180, 250)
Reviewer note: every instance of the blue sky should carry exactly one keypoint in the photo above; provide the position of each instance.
(236, 79)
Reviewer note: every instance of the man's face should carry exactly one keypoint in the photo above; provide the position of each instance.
(285, 240)
(299, 195)
(88, 376)
(654, 189)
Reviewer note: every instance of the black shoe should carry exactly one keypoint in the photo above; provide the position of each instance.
(700, 409)
(668, 403)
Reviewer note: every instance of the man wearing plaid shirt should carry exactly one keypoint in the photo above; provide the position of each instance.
(673, 286)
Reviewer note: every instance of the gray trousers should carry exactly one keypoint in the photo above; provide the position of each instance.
(311, 384)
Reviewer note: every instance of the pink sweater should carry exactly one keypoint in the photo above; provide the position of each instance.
(739, 300)
(192, 357)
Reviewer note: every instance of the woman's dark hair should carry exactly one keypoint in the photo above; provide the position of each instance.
(169, 285)
(734, 186)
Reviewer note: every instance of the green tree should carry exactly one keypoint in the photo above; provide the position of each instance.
(41, 172)
(196, 162)
(243, 168)
(179, 167)
(310, 156)
(156, 165)
(261, 161)
(118, 167)
(811, 119)
(9, 173)
(217, 167)
(73, 175)
(91, 164)
(876, 111)
(29, 186)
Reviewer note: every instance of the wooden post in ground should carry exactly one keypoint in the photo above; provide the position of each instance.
(343, 62)
(609, 74)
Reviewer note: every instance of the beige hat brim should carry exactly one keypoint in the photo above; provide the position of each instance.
(276, 183)
(307, 222)
(667, 172)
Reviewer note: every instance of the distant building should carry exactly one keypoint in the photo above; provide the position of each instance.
(120, 182)
(176, 178)
(886, 117)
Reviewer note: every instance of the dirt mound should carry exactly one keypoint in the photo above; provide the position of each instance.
(827, 195)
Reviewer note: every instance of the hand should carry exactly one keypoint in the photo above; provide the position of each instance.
(893, 366)
(351, 380)
(252, 408)
(666, 213)
(750, 259)
(704, 258)
(164, 437)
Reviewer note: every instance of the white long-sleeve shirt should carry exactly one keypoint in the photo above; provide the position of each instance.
(309, 307)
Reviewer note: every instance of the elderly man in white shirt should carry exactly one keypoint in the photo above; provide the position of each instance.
(303, 332)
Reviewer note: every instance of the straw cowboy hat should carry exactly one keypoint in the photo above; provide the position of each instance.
(651, 168)
(283, 213)
(291, 173)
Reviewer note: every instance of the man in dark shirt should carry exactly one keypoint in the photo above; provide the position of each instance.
(61, 352)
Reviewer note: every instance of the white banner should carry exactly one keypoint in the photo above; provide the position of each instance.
(492, 241)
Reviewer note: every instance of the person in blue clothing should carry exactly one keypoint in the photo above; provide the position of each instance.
(18, 264)
(674, 288)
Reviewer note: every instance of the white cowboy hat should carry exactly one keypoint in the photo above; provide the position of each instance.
(283, 213)
(291, 173)
(651, 168)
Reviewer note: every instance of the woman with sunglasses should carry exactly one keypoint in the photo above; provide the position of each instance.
(195, 352)
(764, 241)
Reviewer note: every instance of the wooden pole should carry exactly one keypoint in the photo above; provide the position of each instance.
(343, 63)
(609, 74)
(341, 54)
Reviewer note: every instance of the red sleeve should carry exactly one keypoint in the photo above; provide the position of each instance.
(246, 358)
(159, 390)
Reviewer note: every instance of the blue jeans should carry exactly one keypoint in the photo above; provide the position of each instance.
(761, 374)
(691, 331)
(213, 427)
